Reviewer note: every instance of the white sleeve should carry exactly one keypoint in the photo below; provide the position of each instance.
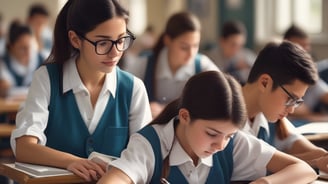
(140, 113)
(32, 117)
(250, 156)
(207, 64)
(137, 160)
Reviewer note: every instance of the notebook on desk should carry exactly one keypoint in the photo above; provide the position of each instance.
(314, 128)
(38, 171)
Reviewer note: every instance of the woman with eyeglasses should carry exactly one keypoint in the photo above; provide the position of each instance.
(276, 84)
(173, 60)
(79, 101)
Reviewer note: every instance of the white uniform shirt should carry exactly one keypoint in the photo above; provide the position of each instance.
(32, 118)
(250, 157)
(261, 121)
(169, 86)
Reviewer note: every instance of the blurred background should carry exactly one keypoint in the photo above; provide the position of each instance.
(265, 20)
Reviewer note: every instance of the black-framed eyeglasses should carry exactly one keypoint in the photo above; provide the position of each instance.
(103, 47)
(292, 101)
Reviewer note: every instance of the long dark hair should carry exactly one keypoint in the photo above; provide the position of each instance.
(210, 95)
(81, 16)
(177, 25)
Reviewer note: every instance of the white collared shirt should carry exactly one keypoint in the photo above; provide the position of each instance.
(250, 157)
(261, 121)
(170, 85)
(33, 116)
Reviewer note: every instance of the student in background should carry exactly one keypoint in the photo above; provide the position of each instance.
(316, 97)
(230, 55)
(197, 141)
(2, 36)
(80, 102)
(20, 60)
(38, 20)
(173, 61)
(273, 91)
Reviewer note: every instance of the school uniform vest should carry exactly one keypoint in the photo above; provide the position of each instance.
(149, 75)
(66, 131)
(220, 172)
(262, 134)
(19, 80)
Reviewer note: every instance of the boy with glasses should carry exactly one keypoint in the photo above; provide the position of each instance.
(276, 84)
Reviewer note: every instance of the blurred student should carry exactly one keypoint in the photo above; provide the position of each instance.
(80, 102)
(2, 36)
(19, 62)
(316, 97)
(38, 20)
(273, 91)
(173, 61)
(196, 140)
(230, 55)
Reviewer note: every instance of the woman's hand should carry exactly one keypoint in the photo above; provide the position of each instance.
(87, 169)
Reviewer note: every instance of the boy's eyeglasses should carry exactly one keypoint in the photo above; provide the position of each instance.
(103, 47)
(292, 101)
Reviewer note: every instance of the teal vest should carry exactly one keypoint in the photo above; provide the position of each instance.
(18, 78)
(149, 75)
(220, 172)
(66, 131)
(268, 138)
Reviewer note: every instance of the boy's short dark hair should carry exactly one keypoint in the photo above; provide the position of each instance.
(232, 27)
(285, 63)
(38, 9)
(295, 31)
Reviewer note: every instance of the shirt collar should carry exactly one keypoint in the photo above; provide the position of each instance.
(164, 72)
(72, 80)
(259, 121)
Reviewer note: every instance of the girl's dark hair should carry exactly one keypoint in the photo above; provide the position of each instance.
(285, 63)
(177, 25)
(230, 28)
(16, 30)
(81, 16)
(210, 95)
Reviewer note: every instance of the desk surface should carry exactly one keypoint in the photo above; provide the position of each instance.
(6, 129)
(10, 104)
(23, 178)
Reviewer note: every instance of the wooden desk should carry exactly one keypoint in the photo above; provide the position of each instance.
(317, 137)
(6, 129)
(10, 105)
(23, 178)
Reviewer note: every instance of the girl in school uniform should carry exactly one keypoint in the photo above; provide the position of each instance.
(174, 59)
(196, 140)
(80, 102)
(19, 61)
